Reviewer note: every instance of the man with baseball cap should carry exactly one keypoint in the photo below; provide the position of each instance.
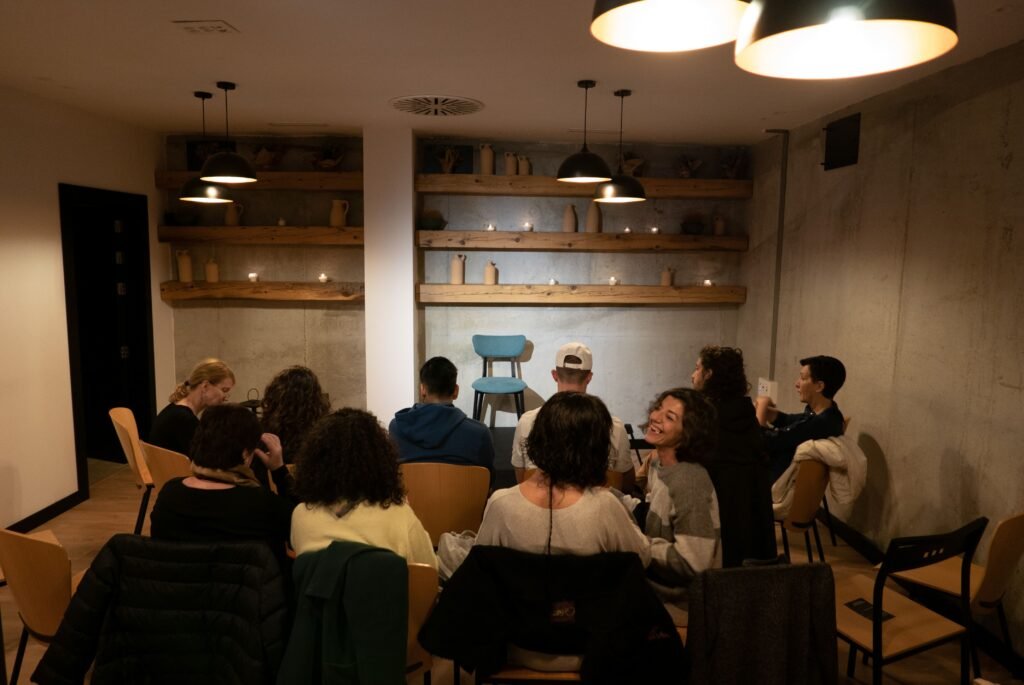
(573, 373)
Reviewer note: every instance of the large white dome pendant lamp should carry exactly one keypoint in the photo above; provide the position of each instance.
(666, 25)
(832, 39)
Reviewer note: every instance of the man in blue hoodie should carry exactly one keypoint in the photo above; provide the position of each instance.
(434, 429)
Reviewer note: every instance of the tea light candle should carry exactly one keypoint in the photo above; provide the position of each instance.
(322, 278)
(253, 276)
(281, 221)
(708, 283)
(527, 226)
(654, 229)
(627, 230)
(490, 227)
(552, 281)
(613, 281)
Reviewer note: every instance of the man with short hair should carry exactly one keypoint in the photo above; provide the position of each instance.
(573, 373)
(820, 379)
(436, 430)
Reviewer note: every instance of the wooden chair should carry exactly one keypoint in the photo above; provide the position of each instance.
(811, 481)
(446, 497)
(38, 573)
(493, 347)
(128, 434)
(165, 464)
(989, 583)
(888, 626)
(422, 595)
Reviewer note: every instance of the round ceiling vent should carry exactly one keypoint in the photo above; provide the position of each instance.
(437, 105)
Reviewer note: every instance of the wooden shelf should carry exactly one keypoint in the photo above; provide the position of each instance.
(559, 295)
(277, 291)
(276, 180)
(262, 235)
(528, 241)
(546, 186)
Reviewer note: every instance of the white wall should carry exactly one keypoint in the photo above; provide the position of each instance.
(45, 144)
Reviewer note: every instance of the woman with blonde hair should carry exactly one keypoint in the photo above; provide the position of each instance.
(207, 386)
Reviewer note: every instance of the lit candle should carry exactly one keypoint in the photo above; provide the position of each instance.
(527, 226)
(322, 278)
(613, 281)
(552, 281)
(654, 229)
(627, 230)
(708, 283)
(281, 221)
(490, 227)
(253, 276)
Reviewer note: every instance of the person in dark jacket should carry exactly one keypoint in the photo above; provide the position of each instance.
(436, 430)
(739, 469)
(207, 385)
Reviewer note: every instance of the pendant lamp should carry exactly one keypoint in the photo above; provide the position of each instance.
(666, 25)
(622, 187)
(831, 39)
(227, 167)
(584, 166)
(196, 189)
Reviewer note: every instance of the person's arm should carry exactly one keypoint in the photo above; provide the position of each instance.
(683, 539)
(622, 462)
(273, 458)
(518, 454)
(765, 410)
(421, 549)
(790, 437)
(624, 535)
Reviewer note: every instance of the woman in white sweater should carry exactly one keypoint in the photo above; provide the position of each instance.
(348, 481)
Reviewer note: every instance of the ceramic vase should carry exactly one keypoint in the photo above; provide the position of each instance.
(233, 214)
(668, 276)
(569, 219)
(523, 165)
(458, 270)
(184, 266)
(593, 217)
(212, 271)
(486, 160)
(339, 213)
(511, 164)
(490, 274)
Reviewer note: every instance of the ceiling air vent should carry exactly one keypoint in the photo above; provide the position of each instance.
(205, 26)
(437, 105)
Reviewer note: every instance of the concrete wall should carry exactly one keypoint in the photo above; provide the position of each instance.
(638, 351)
(45, 144)
(909, 267)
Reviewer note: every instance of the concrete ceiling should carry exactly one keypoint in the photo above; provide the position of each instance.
(337, 63)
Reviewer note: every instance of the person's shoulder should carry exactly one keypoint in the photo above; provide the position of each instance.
(503, 496)
(529, 416)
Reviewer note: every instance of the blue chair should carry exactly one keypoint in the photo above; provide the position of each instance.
(498, 347)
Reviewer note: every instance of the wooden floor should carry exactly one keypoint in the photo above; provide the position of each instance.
(115, 503)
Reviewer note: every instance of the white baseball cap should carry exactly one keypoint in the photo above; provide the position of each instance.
(578, 350)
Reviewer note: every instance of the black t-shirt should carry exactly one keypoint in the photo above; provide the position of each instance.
(173, 428)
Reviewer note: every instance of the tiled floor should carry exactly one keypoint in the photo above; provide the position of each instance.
(114, 505)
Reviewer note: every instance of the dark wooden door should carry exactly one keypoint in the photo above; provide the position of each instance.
(105, 238)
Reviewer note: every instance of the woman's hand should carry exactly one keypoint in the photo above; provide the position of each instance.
(764, 409)
(273, 456)
(645, 466)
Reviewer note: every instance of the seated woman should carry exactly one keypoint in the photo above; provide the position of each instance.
(682, 521)
(562, 507)
(208, 385)
(348, 479)
(293, 402)
(222, 499)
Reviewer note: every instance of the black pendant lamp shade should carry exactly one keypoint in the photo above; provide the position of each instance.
(227, 167)
(666, 25)
(196, 189)
(622, 188)
(830, 39)
(584, 166)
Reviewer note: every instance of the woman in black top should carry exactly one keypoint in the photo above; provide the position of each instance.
(208, 385)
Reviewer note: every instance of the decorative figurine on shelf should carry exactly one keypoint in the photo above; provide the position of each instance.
(269, 156)
(523, 165)
(718, 224)
(688, 166)
(212, 271)
(233, 214)
(569, 219)
(486, 160)
(593, 224)
(328, 158)
(511, 164)
(448, 158)
(432, 220)
(184, 266)
(734, 162)
(339, 213)
(458, 270)
(668, 276)
(632, 166)
(490, 274)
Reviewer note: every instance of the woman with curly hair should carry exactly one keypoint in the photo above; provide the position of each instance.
(740, 469)
(348, 481)
(563, 508)
(682, 521)
(292, 402)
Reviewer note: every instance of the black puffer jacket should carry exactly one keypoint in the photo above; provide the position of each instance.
(151, 611)
(742, 480)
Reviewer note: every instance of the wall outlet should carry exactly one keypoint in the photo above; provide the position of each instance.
(767, 388)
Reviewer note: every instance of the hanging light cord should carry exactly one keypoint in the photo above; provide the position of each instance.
(586, 93)
(227, 131)
(622, 106)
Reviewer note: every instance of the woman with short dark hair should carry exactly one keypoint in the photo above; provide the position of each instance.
(348, 479)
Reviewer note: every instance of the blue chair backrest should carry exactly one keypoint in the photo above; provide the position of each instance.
(499, 346)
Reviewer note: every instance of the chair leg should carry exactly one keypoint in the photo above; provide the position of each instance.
(785, 543)
(828, 521)
(876, 670)
(1002, 622)
(817, 541)
(141, 519)
(476, 405)
(975, 661)
(520, 404)
(426, 677)
(851, 662)
(965, 660)
(22, 643)
(807, 544)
